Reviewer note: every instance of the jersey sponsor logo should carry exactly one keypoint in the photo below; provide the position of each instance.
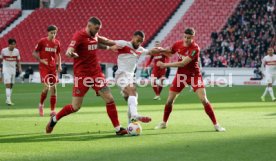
(193, 53)
(92, 47)
(10, 58)
(50, 49)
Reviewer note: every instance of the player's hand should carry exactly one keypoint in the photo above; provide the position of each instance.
(160, 64)
(59, 69)
(44, 61)
(72, 55)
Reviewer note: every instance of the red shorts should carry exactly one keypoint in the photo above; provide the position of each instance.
(48, 76)
(82, 84)
(158, 73)
(181, 80)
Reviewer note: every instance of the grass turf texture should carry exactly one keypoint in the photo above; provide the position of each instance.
(88, 134)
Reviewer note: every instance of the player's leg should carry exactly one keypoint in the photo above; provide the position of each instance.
(43, 96)
(176, 87)
(167, 109)
(130, 89)
(201, 93)
(66, 110)
(79, 91)
(111, 110)
(160, 86)
(270, 87)
(155, 86)
(53, 99)
(8, 82)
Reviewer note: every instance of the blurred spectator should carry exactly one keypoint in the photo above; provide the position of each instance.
(45, 3)
(246, 36)
(258, 75)
(114, 69)
(64, 70)
(28, 73)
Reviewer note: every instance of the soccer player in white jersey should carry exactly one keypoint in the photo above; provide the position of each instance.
(128, 55)
(269, 70)
(10, 56)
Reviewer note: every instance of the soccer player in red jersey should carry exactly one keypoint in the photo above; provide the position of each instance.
(88, 74)
(157, 72)
(47, 51)
(188, 73)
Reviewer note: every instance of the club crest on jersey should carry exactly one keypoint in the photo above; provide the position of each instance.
(92, 47)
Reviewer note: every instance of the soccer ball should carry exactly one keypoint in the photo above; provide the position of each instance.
(134, 129)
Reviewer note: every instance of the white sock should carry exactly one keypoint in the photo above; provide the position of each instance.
(132, 105)
(270, 90)
(265, 92)
(8, 94)
(128, 116)
(117, 128)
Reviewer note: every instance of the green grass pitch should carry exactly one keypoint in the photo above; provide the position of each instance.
(89, 135)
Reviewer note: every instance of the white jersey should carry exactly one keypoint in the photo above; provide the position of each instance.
(269, 63)
(10, 59)
(128, 56)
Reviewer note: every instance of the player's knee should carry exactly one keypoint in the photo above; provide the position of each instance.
(204, 100)
(170, 102)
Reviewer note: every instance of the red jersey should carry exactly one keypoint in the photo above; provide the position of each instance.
(87, 64)
(48, 50)
(191, 51)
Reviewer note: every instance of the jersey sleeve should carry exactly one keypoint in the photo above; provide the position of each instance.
(39, 46)
(194, 53)
(121, 43)
(18, 56)
(145, 51)
(75, 41)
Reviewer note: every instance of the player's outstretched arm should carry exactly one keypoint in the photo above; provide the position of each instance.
(163, 51)
(71, 53)
(106, 41)
(186, 60)
(106, 47)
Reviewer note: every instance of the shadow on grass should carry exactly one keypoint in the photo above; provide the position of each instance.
(42, 137)
(83, 136)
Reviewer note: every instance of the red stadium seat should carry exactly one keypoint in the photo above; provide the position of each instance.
(119, 22)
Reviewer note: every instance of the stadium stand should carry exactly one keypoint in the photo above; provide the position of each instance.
(119, 22)
(7, 16)
(5, 3)
(205, 17)
(245, 38)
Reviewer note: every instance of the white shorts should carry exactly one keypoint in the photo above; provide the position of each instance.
(270, 78)
(123, 79)
(9, 78)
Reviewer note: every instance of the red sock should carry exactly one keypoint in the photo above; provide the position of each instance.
(159, 89)
(66, 110)
(112, 113)
(155, 88)
(43, 97)
(53, 101)
(210, 112)
(167, 112)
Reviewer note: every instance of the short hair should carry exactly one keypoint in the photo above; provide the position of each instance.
(95, 21)
(51, 28)
(190, 31)
(11, 41)
(139, 33)
(157, 42)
